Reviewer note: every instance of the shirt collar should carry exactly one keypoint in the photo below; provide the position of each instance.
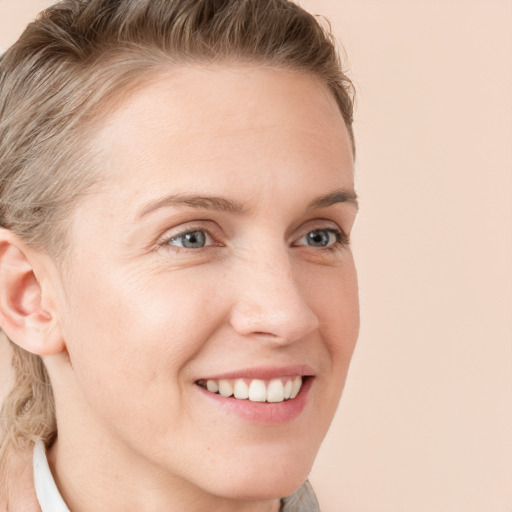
(47, 493)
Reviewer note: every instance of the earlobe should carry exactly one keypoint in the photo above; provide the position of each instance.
(23, 317)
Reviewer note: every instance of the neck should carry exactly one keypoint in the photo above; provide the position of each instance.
(108, 479)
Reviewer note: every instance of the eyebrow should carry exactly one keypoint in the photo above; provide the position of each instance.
(338, 196)
(231, 206)
(195, 201)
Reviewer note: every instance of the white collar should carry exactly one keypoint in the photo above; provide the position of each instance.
(47, 493)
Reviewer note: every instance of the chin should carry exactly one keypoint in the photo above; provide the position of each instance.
(263, 478)
(270, 487)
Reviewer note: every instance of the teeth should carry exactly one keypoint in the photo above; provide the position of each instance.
(275, 392)
(288, 389)
(241, 389)
(212, 386)
(256, 390)
(297, 384)
(225, 388)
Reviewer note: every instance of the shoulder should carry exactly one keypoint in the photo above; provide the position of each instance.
(303, 500)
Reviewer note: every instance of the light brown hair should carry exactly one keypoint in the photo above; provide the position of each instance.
(62, 76)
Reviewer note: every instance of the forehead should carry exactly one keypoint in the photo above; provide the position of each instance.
(242, 93)
(202, 126)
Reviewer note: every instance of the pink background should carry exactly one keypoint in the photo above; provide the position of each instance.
(426, 419)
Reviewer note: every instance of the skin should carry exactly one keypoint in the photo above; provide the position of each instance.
(132, 319)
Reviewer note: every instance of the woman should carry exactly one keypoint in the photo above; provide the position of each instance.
(175, 271)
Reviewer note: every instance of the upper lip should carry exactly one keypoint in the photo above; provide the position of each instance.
(264, 373)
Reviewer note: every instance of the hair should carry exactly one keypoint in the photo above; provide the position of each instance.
(59, 80)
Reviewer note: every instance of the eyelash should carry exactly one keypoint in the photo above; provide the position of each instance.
(342, 240)
(166, 242)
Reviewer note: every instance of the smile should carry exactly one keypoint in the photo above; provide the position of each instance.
(255, 390)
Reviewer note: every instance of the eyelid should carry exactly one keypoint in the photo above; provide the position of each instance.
(170, 234)
(335, 231)
(342, 240)
(320, 224)
(208, 238)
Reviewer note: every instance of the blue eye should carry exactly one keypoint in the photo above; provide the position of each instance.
(321, 238)
(195, 239)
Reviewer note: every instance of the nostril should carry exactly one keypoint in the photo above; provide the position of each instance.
(274, 321)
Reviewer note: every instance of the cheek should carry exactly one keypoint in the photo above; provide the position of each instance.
(333, 294)
(338, 307)
(343, 317)
(136, 332)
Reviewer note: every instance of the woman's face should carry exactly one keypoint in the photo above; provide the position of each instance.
(214, 254)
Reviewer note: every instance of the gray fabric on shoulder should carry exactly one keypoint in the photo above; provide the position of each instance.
(304, 500)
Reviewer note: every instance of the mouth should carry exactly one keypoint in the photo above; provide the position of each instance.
(261, 396)
(276, 390)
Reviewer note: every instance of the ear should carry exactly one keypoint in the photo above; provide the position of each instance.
(27, 314)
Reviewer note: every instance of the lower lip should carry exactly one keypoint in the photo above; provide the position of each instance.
(263, 413)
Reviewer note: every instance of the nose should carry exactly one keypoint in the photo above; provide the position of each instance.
(270, 302)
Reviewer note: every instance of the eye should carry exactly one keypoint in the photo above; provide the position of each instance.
(322, 238)
(193, 239)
